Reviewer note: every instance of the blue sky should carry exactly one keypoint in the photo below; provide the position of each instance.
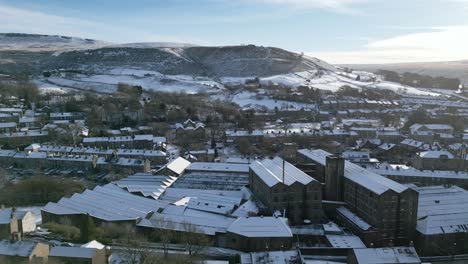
(339, 31)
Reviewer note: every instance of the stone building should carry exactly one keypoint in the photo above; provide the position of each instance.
(386, 207)
(285, 189)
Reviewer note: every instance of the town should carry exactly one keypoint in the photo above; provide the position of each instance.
(142, 176)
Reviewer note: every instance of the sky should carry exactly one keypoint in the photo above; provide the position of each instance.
(337, 31)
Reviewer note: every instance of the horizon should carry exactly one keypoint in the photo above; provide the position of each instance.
(349, 31)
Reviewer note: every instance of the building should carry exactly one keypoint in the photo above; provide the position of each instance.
(124, 142)
(406, 174)
(154, 156)
(283, 188)
(214, 176)
(362, 158)
(438, 160)
(259, 234)
(77, 255)
(271, 257)
(442, 227)
(26, 222)
(23, 252)
(8, 127)
(378, 209)
(389, 255)
(8, 224)
(434, 128)
(108, 203)
(189, 132)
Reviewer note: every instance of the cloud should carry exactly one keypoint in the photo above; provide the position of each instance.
(339, 6)
(17, 20)
(439, 44)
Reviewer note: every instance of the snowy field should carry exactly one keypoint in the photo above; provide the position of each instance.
(107, 80)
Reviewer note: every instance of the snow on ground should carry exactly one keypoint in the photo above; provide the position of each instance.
(46, 88)
(249, 99)
(151, 80)
(107, 81)
(403, 89)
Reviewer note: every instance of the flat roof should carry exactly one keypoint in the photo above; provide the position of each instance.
(345, 241)
(72, 252)
(261, 227)
(215, 166)
(386, 255)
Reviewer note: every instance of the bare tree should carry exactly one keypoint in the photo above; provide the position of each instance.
(194, 239)
(165, 234)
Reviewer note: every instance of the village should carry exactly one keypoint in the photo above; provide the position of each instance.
(142, 176)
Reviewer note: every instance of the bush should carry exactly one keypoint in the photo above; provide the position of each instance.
(68, 232)
(38, 190)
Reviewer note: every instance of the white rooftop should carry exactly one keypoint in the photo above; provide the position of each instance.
(442, 210)
(392, 255)
(220, 167)
(261, 227)
(368, 179)
(271, 172)
(178, 165)
(108, 203)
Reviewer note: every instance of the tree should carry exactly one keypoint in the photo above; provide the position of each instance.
(194, 239)
(88, 229)
(165, 234)
(244, 146)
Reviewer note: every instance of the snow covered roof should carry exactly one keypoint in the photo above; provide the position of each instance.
(416, 127)
(403, 170)
(406, 255)
(442, 210)
(365, 178)
(387, 146)
(8, 125)
(108, 203)
(93, 244)
(146, 184)
(220, 167)
(17, 248)
(175, 194)
(181, 218)
(178, 165)
(261, 227)
(436, 154)
(345, 241)
(363, 225)
(72, 252)
(412, 143)
(271, 172)
(271, 257)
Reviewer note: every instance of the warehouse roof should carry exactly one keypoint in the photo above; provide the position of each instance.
(108, 203)
(271, 172)
(442, 210)
(261, 227)
(365, 178)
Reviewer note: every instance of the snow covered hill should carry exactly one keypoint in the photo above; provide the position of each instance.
(85, 64)
(36, 43)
